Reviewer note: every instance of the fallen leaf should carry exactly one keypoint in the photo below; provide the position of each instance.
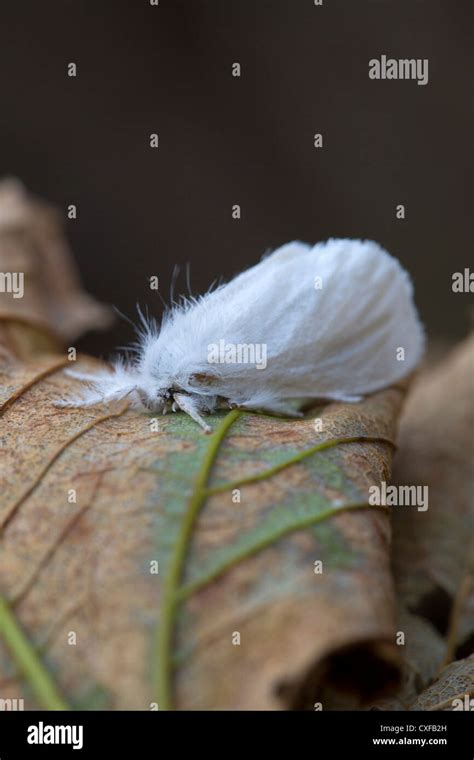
(237, 614)
(433, 549)
(51, 305)
(453, 689)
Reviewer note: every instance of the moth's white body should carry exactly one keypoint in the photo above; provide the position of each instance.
(353, 333)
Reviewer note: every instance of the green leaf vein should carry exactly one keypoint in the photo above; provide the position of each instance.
(276, 525)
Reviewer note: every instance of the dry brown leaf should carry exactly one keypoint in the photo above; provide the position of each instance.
(433, 550)
(247, 568)
(53, 305)
(453, 690)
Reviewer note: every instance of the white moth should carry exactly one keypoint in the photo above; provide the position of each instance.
(335, 321)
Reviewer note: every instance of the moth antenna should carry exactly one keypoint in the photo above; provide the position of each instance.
(215, 285)
(188, 281)
(134, 347)
(174, 277)
(124, 316)
(163, 302)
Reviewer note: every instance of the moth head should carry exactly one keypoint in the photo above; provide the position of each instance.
(152, 399)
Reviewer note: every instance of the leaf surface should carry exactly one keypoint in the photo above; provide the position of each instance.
(95, 501)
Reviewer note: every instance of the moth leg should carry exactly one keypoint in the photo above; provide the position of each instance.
(189, 406)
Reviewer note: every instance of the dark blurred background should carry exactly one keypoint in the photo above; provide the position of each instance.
(247, 141)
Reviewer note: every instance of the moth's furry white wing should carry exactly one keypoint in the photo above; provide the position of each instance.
(340, 341)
